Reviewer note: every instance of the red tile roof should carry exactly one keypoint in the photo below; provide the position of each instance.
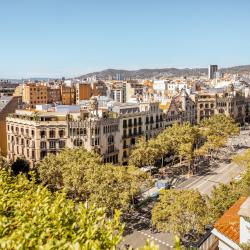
(229, 222)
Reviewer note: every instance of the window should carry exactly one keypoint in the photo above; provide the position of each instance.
(52, 144)
(135, 131)
(125, 154)
(61, 144)
(133, 141)
(61, 133)
(42, 133)
(111, 149)
(97, 141)
(33, 154)
(130, 122)
(206, 105)
(42, 144)
(140, 123)
(130, 132)
(140, 130)
(52, 133)
(201, 105)
(43, 154)
(124, 133)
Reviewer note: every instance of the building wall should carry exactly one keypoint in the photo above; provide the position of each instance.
(9, 108)
(34, 139)
(224, 246)
(68, 95)
(244, 230)
(84, 91)
(34, 94)
(232, 105)
(54, 95)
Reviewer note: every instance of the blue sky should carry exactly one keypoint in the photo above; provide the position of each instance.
(54, 38)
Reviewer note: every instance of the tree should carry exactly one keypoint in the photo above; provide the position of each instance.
(182, 140)
(34, 218)
(83, 177)
(223, 197)
(67, 170)
(114, 187)
(143, 154)
(216, 131)
(243, 160)
(181, 212)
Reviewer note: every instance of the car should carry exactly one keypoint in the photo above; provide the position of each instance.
(238, 178)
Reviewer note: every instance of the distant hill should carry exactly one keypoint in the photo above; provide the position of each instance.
(165, 72)
(145, 73)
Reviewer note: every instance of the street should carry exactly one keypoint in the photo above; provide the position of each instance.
(222, 172)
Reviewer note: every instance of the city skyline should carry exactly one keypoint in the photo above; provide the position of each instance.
(45, 39)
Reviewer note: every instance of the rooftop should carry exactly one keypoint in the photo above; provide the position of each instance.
(229, 222)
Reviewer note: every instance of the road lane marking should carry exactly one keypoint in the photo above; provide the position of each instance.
(155, 239)
(213, 176)
(221, 177)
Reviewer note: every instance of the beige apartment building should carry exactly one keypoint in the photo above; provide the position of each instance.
(233, 104)
(34, 134)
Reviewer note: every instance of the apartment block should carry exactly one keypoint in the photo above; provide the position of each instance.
(84, 91)
(34, 93)
(33, 135)
(229, 103)
(54, 94)
(68, 95)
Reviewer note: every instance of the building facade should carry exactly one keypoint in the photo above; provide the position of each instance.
(232, 104)
(8, 105)
(34, 134)
(34, 93)
(212, 69)
(67, 95)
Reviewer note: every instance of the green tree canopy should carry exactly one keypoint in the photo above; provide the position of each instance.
(181, 212)
(82, 175)
(144, 153)
(216, 131)
(31, 217)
